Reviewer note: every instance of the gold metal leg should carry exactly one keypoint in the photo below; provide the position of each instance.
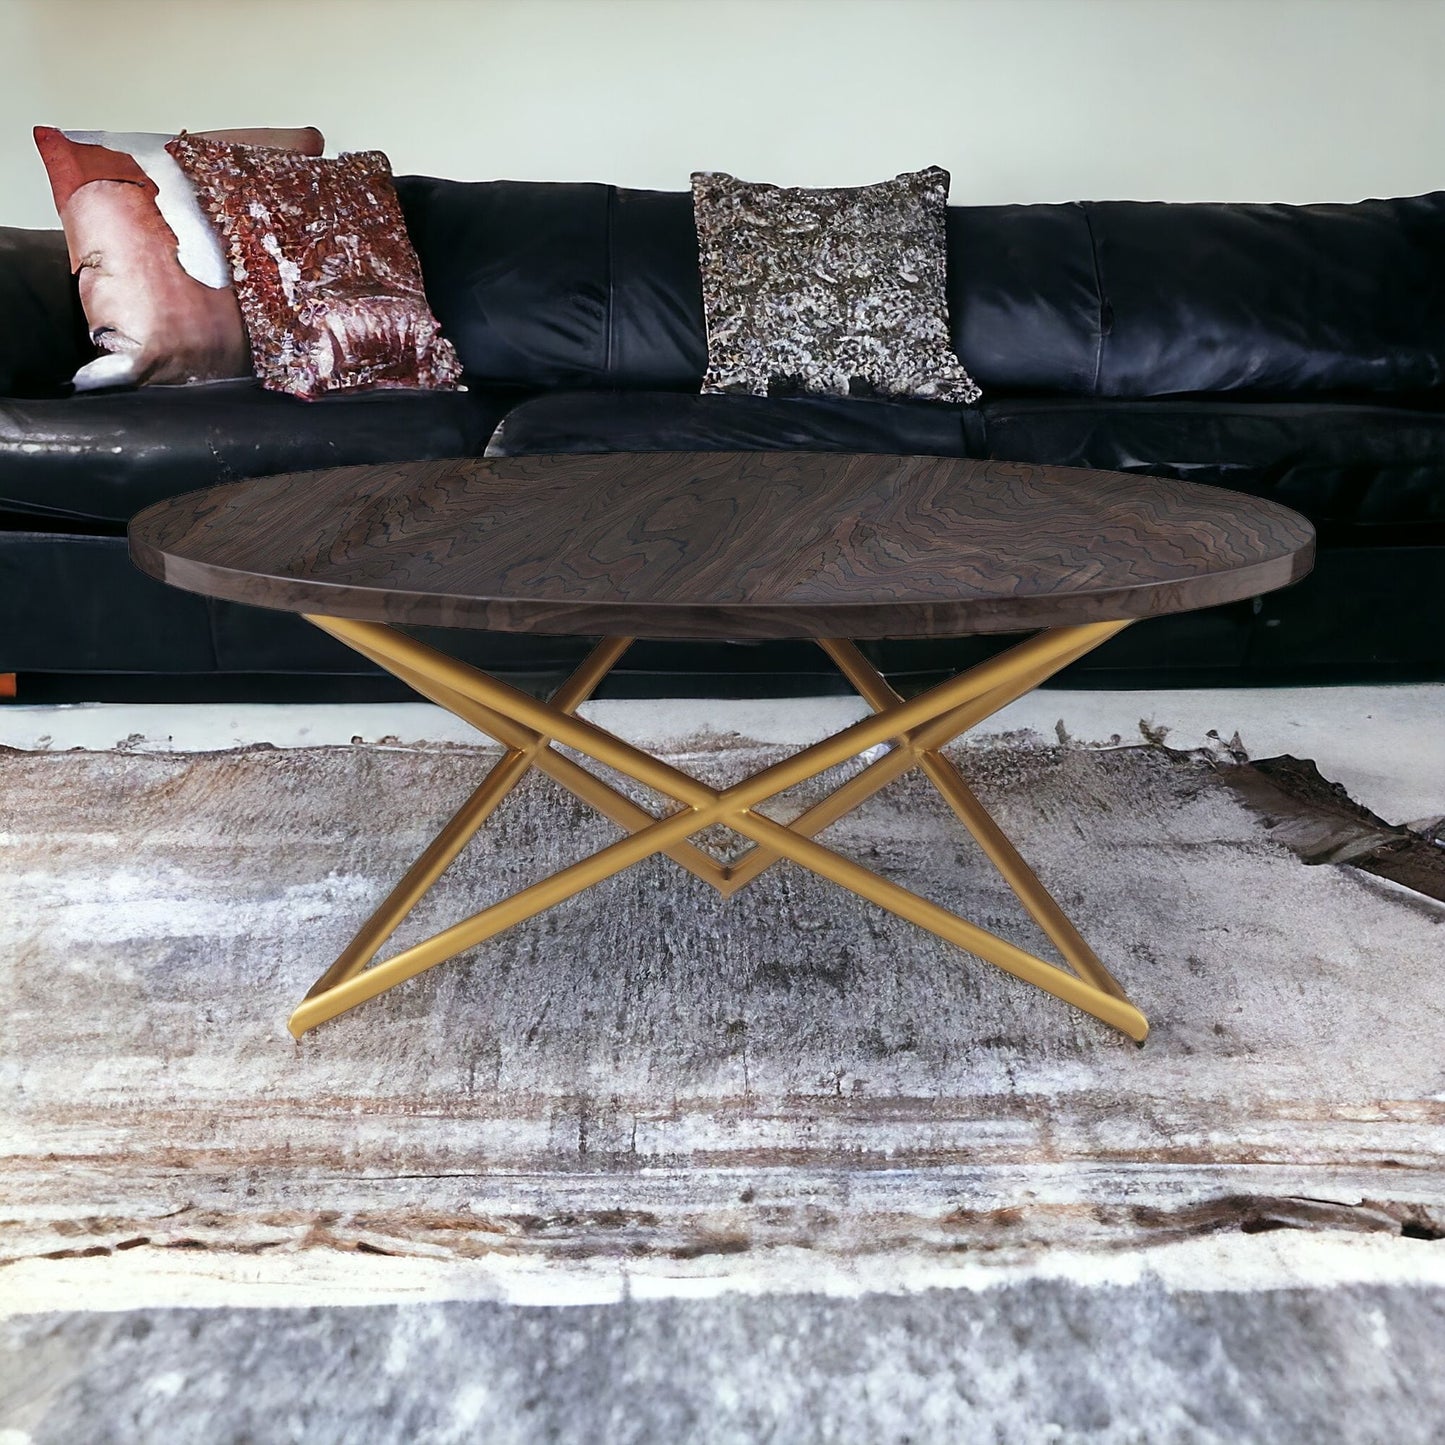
(944, 776)
(915, 728)
(464, 823)
(899, 759)
(535, 748)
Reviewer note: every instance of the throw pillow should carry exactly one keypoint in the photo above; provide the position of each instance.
(329, 284)
(154, 280)
(827, 292)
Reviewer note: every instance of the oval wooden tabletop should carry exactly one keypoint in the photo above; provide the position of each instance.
(724, 544)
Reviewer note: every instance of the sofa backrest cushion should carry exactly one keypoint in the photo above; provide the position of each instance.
(552, 284)
(1023, 297)
(517, 274)
(545, 285)
(1271, 298)
(43, 338)
(578, 285)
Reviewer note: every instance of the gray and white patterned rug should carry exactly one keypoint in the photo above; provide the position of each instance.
(658, 1166)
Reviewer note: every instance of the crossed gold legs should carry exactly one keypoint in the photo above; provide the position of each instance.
(916, 731)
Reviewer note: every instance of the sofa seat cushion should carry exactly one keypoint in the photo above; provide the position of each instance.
(104, 456)
(660, 421)
(1361, 474)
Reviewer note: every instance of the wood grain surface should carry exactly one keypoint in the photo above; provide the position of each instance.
(724, 544)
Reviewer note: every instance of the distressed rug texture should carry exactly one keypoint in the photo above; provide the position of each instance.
(657, 1166)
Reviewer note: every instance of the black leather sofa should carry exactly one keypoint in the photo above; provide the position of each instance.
(1290, 351)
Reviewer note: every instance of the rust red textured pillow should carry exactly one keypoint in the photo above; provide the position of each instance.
(329, 284)
(154, 280)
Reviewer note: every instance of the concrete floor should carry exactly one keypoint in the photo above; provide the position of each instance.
(1385, 745)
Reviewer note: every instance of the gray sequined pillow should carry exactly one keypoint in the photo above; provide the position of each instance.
(827, 292)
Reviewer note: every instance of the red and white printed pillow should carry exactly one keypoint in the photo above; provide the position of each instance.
(154, 279)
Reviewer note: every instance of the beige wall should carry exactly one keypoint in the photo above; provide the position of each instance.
(1021, 99)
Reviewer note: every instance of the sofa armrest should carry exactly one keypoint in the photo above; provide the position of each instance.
(43, 339)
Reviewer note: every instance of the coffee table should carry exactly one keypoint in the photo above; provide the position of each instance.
(746, 545)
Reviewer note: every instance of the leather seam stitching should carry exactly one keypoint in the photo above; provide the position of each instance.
(611, 292)
(1099, 296)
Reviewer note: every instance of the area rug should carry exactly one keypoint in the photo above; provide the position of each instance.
(722, 1117)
